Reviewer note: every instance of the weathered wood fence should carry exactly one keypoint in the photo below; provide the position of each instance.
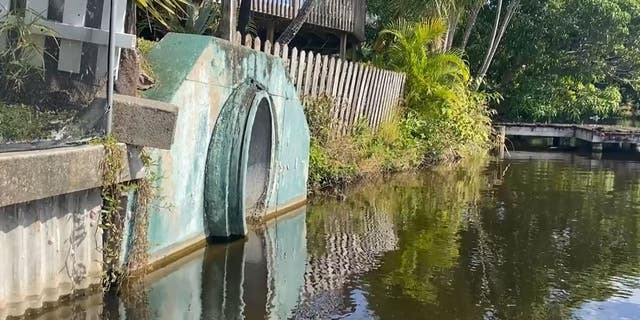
(359, 91)
(81, 27)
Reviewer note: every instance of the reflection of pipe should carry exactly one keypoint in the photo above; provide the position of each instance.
(111, 65)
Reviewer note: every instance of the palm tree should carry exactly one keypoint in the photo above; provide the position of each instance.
(432, 75)
(437, 86)
(162, 10)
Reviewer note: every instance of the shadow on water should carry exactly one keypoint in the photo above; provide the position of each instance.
(539, 236)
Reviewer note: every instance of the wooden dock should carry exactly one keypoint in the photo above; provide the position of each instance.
(594, 134)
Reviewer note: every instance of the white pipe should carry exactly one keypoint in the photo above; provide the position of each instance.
(111, 66)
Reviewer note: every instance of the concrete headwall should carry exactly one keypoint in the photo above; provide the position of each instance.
(214, 84)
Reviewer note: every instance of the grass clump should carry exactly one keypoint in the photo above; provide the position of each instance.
(18, 72)
(24, 123)
(336, 160)
(144, 48)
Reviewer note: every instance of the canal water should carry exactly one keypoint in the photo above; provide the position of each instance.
(540, 236)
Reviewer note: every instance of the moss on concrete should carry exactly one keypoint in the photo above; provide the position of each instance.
(24, 123)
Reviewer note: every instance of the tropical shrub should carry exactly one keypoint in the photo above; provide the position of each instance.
(184, 16)
(449, 116)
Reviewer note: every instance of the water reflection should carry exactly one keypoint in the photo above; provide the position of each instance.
(260, 278)
(544, 239)
(540, 236)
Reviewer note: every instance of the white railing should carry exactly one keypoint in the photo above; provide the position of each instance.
(72, 32)
(343, 15)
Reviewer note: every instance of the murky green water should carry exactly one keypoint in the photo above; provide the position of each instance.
(552, 238)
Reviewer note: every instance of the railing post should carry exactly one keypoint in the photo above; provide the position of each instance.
(343, 45)
(228, 25)
(271, 30)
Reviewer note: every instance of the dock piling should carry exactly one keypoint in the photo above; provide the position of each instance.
(501, 136)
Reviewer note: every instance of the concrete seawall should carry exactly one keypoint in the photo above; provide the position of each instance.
(49, 248)
(231, 147)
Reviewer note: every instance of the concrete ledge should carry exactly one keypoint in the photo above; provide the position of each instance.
(32, 175)
(144, 122)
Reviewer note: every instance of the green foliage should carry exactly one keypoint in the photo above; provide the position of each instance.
(128, 274)
(161, 11)
(183, 16)
(445, 118)
(112, 223)
(450, 117)
(144, 47)
(23, 123)
(566, 99)
(336, 160)
(567, 60)
(17, 72)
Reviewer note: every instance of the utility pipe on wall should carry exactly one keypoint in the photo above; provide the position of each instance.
(111, 66)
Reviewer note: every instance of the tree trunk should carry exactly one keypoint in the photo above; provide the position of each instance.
(451, 31)
(471, 22)
(297, 23)
(505, 23)
(492, 41)
(129, 68)
(497, 37)
(498, 32)
(228, 24)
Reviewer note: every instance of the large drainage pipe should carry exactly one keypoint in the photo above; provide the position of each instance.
(239, 170)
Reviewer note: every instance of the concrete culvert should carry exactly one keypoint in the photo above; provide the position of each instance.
(258, 165)
(239, 172)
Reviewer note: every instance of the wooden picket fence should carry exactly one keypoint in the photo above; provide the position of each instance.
(358, 91)
(79, 24)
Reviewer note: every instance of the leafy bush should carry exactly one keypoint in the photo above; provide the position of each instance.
(336, 160)
(451, 118)
(183, 16)
(564, 99)
(567, 60)
(17, 71)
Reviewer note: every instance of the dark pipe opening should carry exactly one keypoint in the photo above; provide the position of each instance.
(259, 161)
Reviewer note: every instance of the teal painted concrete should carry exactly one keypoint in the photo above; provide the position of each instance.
(176, 54)
(204, 175)
(223, 282)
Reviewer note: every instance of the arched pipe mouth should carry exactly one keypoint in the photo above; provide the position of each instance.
(241, 163)
(258, 156)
